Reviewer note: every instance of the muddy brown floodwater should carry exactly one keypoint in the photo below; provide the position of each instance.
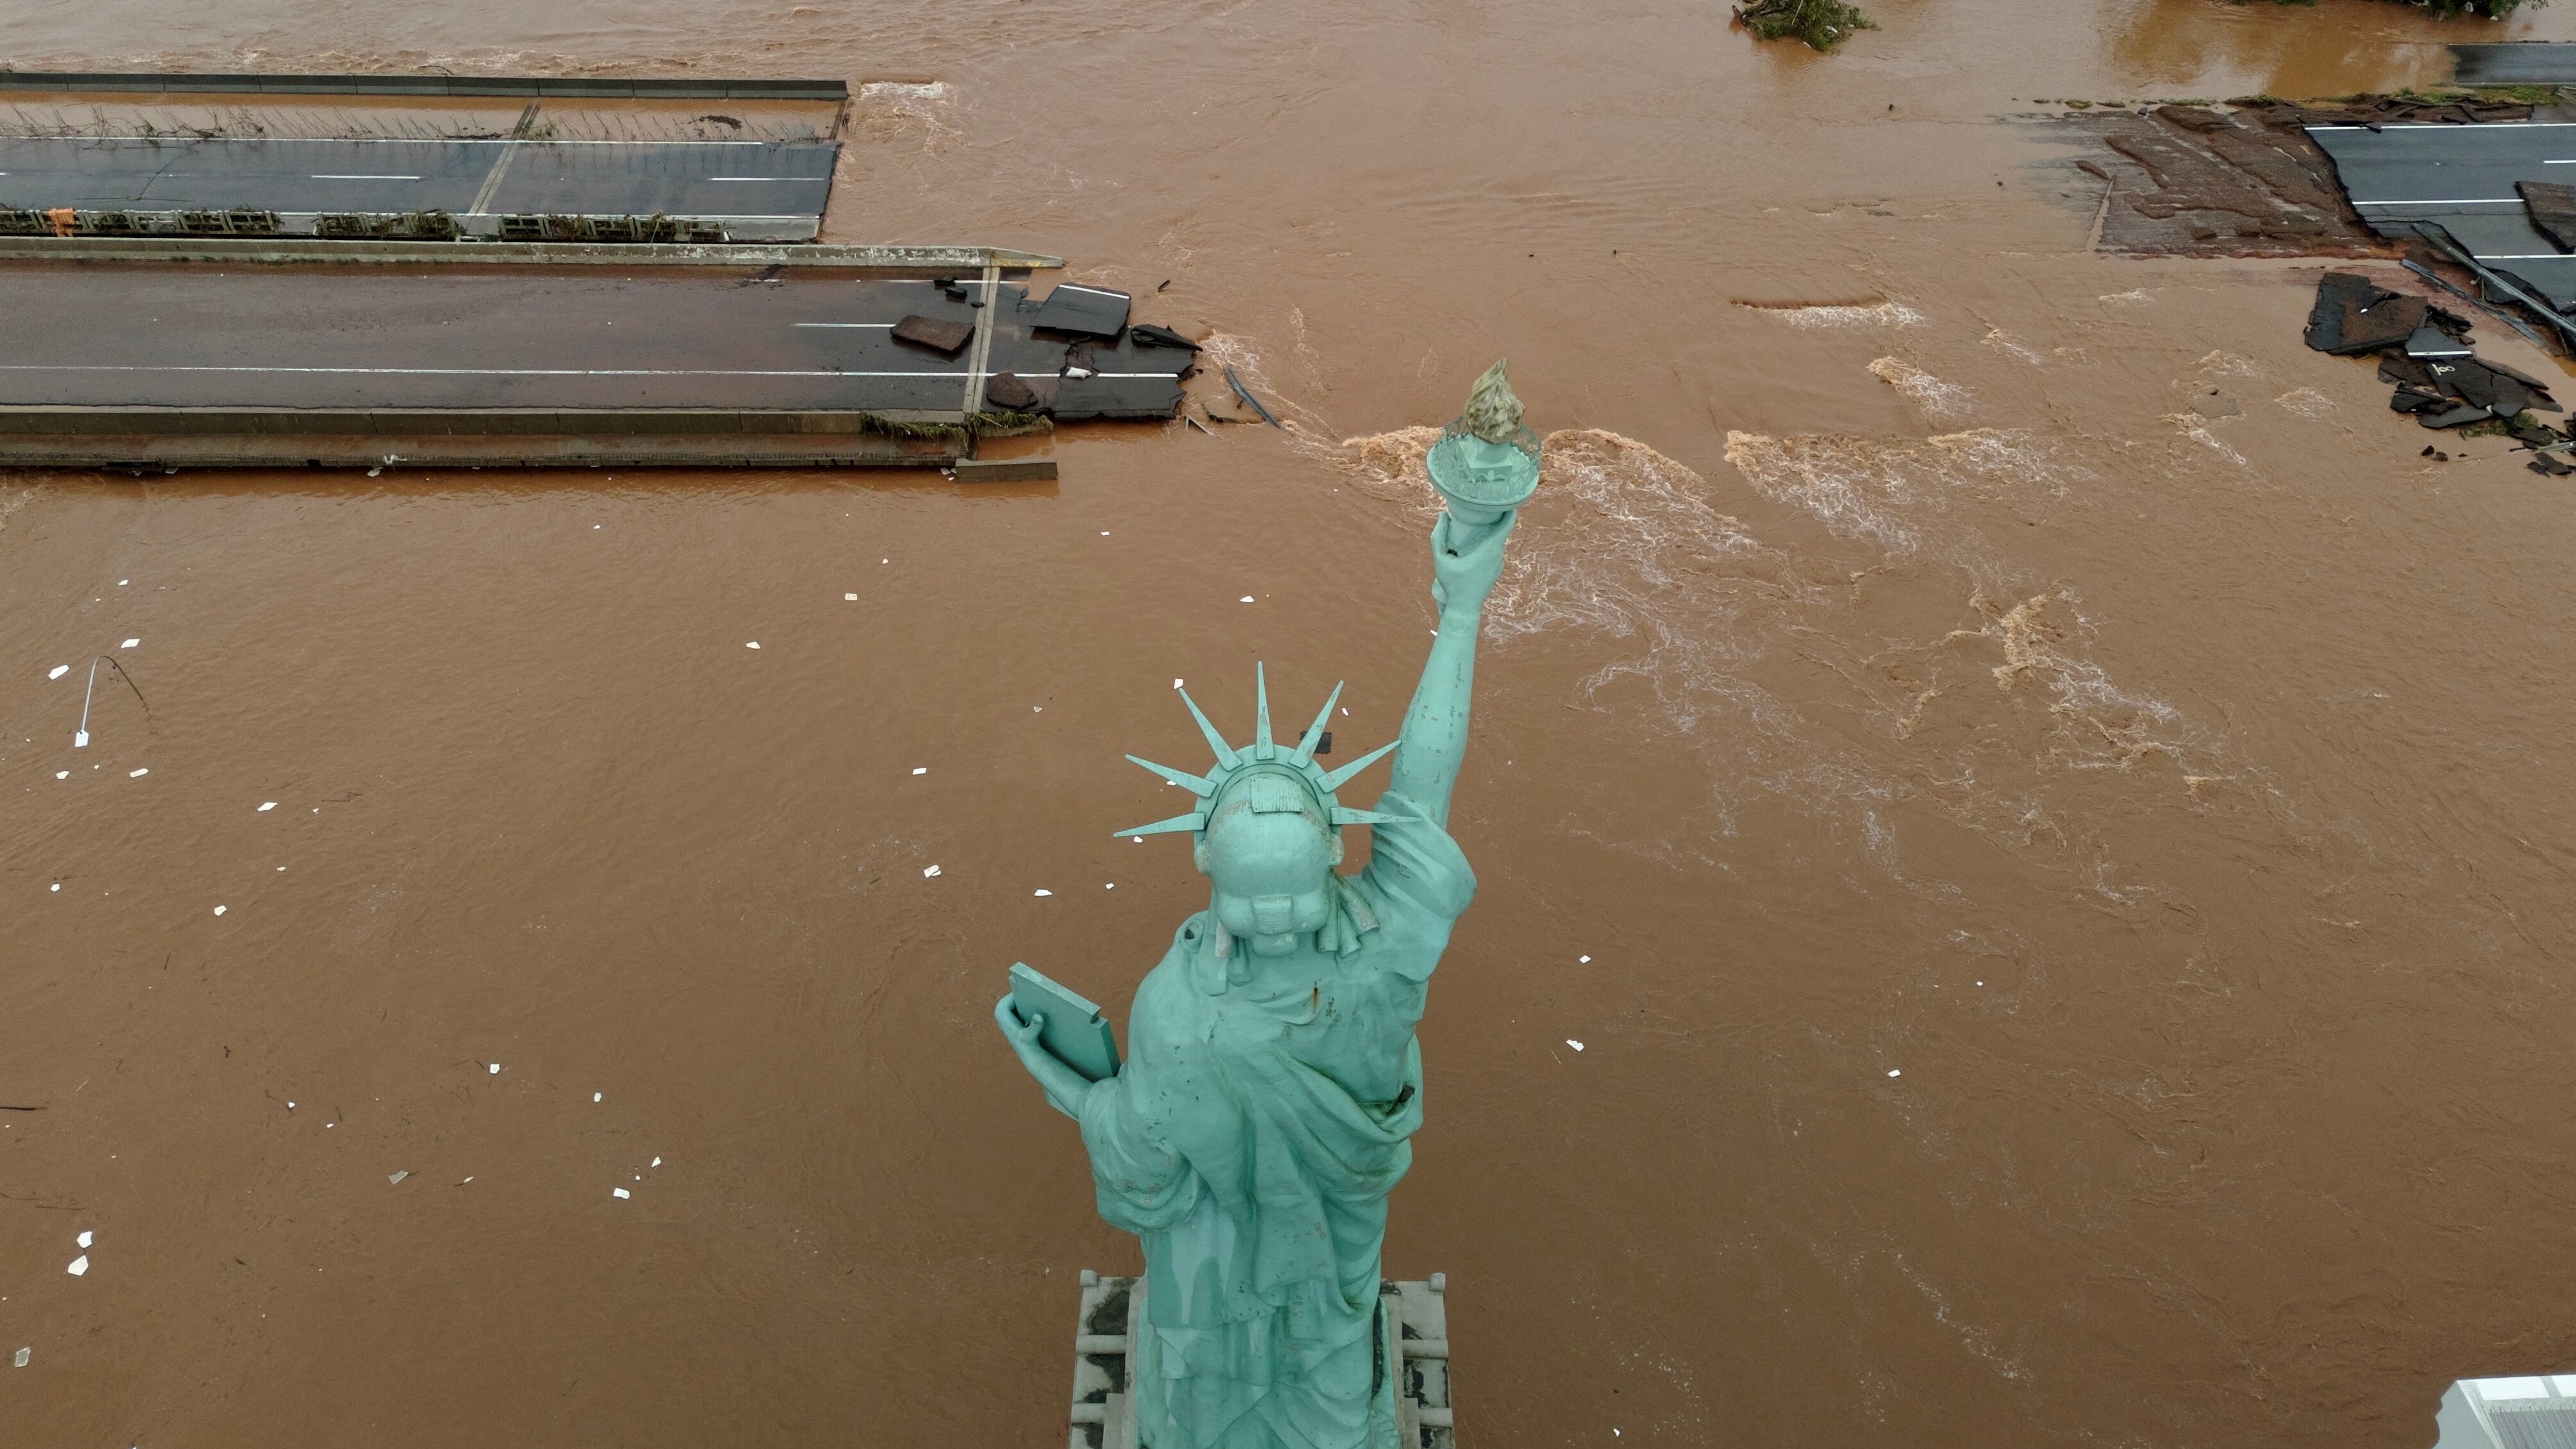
(1937, 649)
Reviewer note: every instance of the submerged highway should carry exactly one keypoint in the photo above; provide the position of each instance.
(454, 336)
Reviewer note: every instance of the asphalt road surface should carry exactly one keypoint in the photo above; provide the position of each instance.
(2461, 178)
(740, 182)
(469, 337)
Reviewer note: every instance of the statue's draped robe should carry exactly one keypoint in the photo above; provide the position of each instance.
(1251, 1140)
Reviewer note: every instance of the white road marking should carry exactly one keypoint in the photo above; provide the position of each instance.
(846, 324)
(764, 178)
(337, 176)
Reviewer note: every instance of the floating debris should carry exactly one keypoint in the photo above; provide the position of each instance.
(19, 1359)
(945, 338)
(1578, 1046)
(264, 809)
(1893, 1072)
(59, 671)
(219, 910)
(619, 1192)
(396, 1179)
(138, 774)
(1084, 311)
(80, 1266)
(85, 1239)
(921, 769)
(496, 1068)
(754, 644)
(1822, 24)
(1245, 393)
(933, 870)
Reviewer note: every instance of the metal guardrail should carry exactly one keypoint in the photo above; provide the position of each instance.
(255, 251)
(518, 87)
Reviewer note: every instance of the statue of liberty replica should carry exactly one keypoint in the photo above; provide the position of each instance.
(1273, 1081)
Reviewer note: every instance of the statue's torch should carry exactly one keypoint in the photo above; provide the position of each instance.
(1486, 463)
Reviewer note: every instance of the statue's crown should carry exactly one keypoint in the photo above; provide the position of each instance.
(1268, 756)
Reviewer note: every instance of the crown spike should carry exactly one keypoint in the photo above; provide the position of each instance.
(1225, 754)
(1315, 732)
(1195, 784)
(1173, 826)
(1338, 778)
(1262, 746)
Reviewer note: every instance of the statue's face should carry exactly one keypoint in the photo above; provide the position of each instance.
(1271, 861)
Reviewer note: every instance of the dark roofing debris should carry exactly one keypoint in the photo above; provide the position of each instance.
(1152, 336)
(2552, 209)
(1005, 390)
(1104, 371)
(1086, 311)
(2438, 380)
(945, 338)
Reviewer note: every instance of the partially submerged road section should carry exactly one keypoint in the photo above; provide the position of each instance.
(135, 185)
(154, 365)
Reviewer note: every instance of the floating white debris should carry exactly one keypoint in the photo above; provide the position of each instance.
(657, 1162)
(85, 1239)
(1981, 983)
(1176, 682)
(379, 472)
(131, 644)
(62, 774)
(58, 671)
(1136, 838)
(1893, 1072)
(921, 769)
(219, 910)
(754, 644)
(58, 885)
(1104, 533)
(290, 1106)
(594, 1096)
(1578, 1046)
(1247, 598)
(931, 871)
(1111, 886)
(1046, 893)
(121, 583)
(1583, 960)
(80, 1265)
(396, 1179)
(271, 805)
(853, 598)
(495, 1066)
(138, 774)
(619, 1192)
(1037, 709)
(21, 1357)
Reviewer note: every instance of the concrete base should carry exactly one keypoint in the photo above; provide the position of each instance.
(1113, 1313)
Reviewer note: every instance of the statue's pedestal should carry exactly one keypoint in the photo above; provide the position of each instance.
(1416, 1327)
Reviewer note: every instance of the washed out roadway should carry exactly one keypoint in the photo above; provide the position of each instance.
(472, 337)
(2461, 178)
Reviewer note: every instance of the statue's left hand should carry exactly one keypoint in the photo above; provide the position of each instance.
(1064, 1086)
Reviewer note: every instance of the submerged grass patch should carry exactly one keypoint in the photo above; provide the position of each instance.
(1822, 24)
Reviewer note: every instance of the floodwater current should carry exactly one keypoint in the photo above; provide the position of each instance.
(2048, 819)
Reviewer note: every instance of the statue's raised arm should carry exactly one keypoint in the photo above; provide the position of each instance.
(1485, 466)
(1273, 1083)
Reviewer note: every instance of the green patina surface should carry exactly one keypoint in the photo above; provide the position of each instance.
(1272, 1082)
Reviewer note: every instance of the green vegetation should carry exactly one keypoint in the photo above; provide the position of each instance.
(1822, 24)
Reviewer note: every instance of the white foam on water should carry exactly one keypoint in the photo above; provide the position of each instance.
(1885, 314)
(1943, 402)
